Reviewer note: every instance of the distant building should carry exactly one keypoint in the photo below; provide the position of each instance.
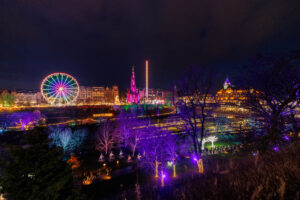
(229, 94)
(112, 95)
(98, 95)
(156, 96)
(28, 98)
(226, 83)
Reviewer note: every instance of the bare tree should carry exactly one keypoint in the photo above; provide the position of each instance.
(64, 138)
(106, 136)
(172, 148)
(153, 150)
(130, 130)
(132, 138)
(194, 91)
(275, 84)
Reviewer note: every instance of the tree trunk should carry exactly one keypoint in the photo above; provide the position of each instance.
(133, 150)
(195, 143)
(201, 134)
(174, 170)
(274, 132)
(295, 126)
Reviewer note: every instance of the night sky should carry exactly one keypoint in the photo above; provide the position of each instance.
(97, 41)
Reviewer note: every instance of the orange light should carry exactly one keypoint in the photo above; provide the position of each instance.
(103, 115)
(87, 181)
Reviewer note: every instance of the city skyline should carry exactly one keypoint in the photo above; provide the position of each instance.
(158, 99)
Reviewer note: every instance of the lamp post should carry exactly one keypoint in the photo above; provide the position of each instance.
(199, 164)
(156, 168)
(163, 176)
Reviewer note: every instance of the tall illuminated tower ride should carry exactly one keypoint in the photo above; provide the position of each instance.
(132, 93)
(147, 80)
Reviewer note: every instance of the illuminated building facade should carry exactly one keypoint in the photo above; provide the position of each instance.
(28, 98)
(20, 98)
(98, 95)
(210, 99)
(112, 95)
(229, 94)
(226, 83)
(156, 96)
(132, 93)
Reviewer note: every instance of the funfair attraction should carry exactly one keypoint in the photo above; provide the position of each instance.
(60, 89)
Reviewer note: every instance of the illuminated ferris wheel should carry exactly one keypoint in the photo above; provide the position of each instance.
(60, 89)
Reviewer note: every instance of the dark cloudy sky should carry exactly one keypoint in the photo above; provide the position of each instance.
(98, 40)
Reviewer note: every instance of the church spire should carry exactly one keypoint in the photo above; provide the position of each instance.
(133, 94)
(132, 83)
(226, 83)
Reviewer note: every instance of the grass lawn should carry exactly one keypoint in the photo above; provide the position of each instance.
(222, 143)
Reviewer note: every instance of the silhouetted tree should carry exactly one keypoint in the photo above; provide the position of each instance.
(194, 91)
(275, 85)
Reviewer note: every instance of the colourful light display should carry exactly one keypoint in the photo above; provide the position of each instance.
(60, 89)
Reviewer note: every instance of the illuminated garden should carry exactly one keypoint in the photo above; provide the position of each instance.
(149, 100)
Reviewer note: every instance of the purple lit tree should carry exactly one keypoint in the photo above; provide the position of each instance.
(130, 129)
(132, 138)
(26, 120)
(172, 149)
(159, 149)
(106, 136)
(153, 154)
